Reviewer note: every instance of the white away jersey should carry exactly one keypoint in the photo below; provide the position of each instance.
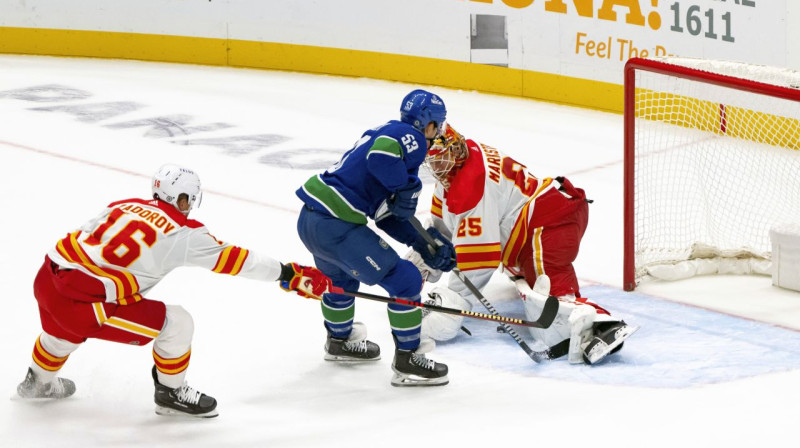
(486, 212)
(134, 243)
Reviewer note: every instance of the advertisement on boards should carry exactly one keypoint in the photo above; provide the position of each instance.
(594, 38)
(585, 39)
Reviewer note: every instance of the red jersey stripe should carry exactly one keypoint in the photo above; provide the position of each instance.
(222, 260)
(480, 265)
(518, 238)
(478, 256)
(69, 248)
(125, 282)
(237, 267)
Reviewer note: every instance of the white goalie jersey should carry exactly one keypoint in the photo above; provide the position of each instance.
(485, 213)
(495, 213)
(134, 243)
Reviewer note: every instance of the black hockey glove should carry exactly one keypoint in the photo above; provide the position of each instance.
(403, 203)
(441, 257)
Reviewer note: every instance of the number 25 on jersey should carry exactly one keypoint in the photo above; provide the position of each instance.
(469, 227)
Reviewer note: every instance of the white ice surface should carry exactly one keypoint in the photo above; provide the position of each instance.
(694, 375)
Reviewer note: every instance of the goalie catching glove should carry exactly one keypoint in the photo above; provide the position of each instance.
(306, 281)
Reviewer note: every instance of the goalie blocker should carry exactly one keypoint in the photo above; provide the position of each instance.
(582, 330)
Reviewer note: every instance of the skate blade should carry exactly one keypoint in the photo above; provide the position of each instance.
(349, 359)
(18, 397)
(629, 330)
(169, 412)
(403, 380)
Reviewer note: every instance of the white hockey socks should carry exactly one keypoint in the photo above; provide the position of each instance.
(49, 355)
(172, 347)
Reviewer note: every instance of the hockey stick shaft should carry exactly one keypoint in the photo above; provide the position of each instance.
(439, 309)
(534, 355)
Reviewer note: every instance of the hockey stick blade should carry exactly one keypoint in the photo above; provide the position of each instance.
(549, 312)
(442, 309)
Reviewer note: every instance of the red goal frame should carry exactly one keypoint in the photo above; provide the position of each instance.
(629, 141)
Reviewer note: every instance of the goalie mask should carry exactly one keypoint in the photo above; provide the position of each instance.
(448, 152)
(170, 181)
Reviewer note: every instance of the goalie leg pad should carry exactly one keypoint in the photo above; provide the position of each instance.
(533, 301)
(441, 326)
(581, 322)
(573, 322)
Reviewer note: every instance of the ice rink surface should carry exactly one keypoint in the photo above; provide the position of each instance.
(716, 363)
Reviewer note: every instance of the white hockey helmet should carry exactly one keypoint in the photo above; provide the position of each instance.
(170, 181)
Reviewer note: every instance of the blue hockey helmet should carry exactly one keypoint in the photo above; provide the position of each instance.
(420, 107)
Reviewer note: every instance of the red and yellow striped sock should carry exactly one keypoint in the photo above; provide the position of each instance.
(171, 371)
(47, 363)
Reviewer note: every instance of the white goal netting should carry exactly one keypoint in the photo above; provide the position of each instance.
(715, 164)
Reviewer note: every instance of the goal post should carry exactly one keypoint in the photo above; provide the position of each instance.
(711, 163)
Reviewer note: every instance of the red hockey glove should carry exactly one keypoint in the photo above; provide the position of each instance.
(306, 281)
(570, 190)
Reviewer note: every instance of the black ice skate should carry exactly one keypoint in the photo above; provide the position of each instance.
(183, 401)
(608, 338)
(413, 368)
(355, 348)
(32, 388)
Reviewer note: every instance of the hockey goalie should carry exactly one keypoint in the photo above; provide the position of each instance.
(495, 212)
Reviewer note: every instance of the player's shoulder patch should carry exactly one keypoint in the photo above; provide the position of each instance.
(466, 188)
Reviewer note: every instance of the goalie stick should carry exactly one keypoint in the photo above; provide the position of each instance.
(545, 319)
(551, 304)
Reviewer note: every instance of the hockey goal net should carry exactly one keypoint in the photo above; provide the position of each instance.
(712, 162)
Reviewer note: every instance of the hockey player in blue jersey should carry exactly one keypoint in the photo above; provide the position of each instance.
(377, 179)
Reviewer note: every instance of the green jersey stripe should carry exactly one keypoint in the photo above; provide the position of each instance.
(386, 146)
(336, 204)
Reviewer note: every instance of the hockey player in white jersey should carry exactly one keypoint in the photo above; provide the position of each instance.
(94, 281)
(496, 213)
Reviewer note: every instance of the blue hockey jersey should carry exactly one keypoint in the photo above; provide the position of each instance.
(384, 159)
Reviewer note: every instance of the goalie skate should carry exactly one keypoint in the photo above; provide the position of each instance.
(183, 401)
(31, 388)
(607, 341)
